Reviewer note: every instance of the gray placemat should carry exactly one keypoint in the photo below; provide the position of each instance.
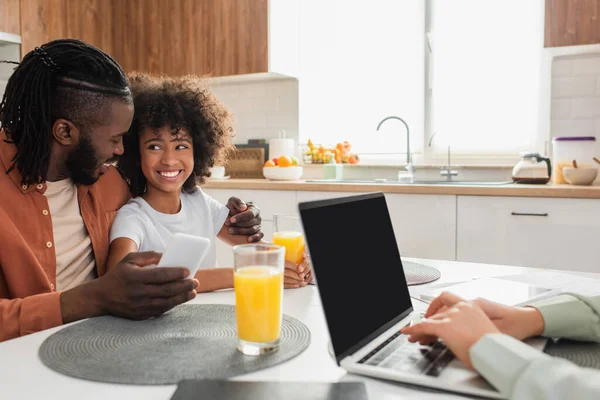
(584, 354)
(418, 274)
(190, 342)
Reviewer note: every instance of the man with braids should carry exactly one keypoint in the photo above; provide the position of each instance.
(63, 116)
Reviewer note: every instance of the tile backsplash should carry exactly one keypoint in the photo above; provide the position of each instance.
(575, 109)
(261, 109)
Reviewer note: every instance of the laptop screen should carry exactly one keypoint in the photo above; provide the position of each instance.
(357, 268)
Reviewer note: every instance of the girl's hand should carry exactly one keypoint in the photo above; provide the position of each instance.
(296, 276)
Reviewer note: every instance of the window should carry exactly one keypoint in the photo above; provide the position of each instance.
(467, 70)
(486, 68)
(361, 61)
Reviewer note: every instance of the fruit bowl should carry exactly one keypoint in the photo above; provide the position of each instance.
(580, 176)
(283, 173)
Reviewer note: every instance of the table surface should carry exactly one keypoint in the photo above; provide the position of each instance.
(23, 376)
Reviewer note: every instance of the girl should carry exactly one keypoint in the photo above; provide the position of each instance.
(179, 131)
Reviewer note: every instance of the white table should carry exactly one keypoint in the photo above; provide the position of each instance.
(23, 376)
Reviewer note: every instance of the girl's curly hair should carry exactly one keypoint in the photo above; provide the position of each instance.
(178, 103)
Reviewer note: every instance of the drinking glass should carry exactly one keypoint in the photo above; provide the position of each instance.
(288, 233)
(258, 284)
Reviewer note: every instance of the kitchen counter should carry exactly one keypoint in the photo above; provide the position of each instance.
(513, 190)
(23, 375)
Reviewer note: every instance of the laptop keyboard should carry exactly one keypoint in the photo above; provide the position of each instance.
(399, 354)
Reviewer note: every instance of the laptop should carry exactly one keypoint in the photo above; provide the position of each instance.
(365, 297)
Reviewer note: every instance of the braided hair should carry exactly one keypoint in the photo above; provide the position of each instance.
(66, 79)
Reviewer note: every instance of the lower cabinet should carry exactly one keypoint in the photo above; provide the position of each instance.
(531, 232)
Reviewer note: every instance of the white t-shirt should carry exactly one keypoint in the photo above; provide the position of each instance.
(200, 215)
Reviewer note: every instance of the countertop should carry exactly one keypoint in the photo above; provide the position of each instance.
(22, 374)
(513, 190)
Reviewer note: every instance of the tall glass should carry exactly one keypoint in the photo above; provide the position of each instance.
(258, 283)
(288, 233)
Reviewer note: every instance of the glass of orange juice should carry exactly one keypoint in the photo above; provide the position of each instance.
(288, 233)
(258, 283)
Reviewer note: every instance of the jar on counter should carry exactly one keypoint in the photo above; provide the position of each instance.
(567, 149)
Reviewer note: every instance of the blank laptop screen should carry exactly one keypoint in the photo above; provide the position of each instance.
(357, 267)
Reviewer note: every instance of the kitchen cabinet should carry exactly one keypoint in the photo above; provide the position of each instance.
(424, 225)
(531, 232)
(10, 19)
(173, 37)
(571, 22)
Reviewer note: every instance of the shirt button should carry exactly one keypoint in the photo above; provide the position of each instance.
(45, 212)
(48, 244)
(52, 286)
(24, 187)
(40, 186)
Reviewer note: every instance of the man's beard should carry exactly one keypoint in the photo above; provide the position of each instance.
(82, 163)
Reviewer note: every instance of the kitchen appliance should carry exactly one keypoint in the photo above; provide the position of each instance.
(532, 169)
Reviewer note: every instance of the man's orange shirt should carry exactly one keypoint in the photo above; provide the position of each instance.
(29, 301)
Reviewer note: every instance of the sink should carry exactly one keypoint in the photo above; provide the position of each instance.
(417, 182)
(466, 183)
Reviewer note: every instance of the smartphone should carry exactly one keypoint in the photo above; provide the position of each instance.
(186, 251)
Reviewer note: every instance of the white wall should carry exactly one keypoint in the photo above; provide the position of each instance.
(8, 52)
(261, 109)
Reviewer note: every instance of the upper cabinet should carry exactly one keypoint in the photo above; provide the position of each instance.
(173, 37)
(9, 17)
(572, 22)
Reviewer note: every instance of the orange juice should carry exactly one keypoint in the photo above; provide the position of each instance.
(293, 243)
(258, 295)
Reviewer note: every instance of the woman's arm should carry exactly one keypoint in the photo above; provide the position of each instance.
(119, 248)
(519, 371)
(571, 316)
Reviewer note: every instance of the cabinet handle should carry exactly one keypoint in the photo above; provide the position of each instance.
(516, 214)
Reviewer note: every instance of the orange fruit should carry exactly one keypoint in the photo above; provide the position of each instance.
(270, 163)
(285, 161)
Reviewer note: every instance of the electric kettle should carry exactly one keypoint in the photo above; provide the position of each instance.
(532, 169)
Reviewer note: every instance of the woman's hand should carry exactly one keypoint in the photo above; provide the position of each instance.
(459, 327)
(518, 322)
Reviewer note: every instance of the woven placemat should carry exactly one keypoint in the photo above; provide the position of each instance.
(418, 274)
(584, 354)
(190, 342)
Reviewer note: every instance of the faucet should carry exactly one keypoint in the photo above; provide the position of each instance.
(448, 172)
(409, 166)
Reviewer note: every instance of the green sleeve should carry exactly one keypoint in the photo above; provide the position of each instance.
(571, 316)
(519, 371)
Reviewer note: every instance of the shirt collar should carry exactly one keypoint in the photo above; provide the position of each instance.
(8, 151)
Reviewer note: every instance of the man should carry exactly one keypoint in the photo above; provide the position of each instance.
(64, 113)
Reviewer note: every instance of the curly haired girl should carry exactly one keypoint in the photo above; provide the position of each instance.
(179, 131)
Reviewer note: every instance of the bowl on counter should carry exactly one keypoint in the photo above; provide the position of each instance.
(580, 176)
(283, 173)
